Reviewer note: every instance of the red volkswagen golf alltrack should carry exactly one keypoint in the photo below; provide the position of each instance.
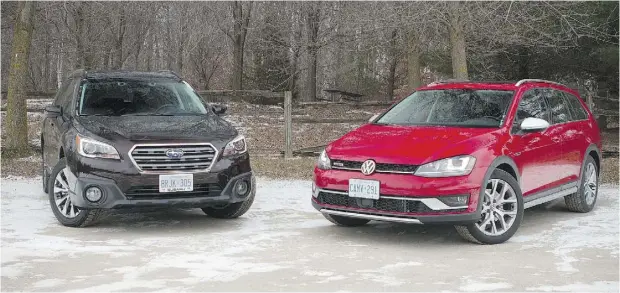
(471, 154)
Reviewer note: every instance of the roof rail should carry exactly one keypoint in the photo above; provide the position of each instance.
(78, 73)
(520, 82)
(171, 72)
(447, 81)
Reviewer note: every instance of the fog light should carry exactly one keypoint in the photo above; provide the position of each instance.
(314, 193)
(94, 194)
(455, 201)
(242, 188)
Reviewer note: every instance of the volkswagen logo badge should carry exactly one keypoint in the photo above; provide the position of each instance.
(368, 167)
(174, 153)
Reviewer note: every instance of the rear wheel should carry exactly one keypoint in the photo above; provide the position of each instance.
(60, 201)
(584, 199)
(346, 221)
(502, 211)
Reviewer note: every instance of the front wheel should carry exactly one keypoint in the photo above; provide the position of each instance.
(502, 211)
(60, 201)
(232, 210)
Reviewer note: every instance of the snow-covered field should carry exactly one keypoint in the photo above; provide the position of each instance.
(282, 243)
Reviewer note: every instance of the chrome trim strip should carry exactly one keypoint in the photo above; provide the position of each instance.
(520, 82)
(371, 217)
(213, 161)
(376, 171)
(550, 197)
(432, 203)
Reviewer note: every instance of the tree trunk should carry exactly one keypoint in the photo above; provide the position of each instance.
(17, 124)
(312, 27)
(79, 34)
(241, 20)
(457, 42)
(118, 46)
(392, 70)
(414, 76)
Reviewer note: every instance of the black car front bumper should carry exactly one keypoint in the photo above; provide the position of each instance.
(143, 191)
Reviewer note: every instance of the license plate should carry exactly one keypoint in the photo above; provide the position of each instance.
(364, 188)
(176, 183)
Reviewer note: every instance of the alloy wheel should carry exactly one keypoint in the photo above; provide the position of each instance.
(499, 208)
(589, 186)
(62, 198)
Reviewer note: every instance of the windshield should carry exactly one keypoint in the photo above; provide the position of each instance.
(450, 107)
(139, 97)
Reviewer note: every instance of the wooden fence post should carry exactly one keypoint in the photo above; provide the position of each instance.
(288, 132)
(590, 102)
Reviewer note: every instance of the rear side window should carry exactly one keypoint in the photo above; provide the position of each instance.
(532, 105)
(576, 108)
(61, 93)
(560, 112)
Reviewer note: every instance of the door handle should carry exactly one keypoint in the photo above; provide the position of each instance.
(555, 139)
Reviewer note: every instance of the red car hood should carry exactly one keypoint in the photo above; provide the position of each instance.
(409, 144)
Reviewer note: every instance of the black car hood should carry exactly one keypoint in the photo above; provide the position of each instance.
(136, 128)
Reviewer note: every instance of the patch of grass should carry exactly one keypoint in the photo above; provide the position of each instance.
(26, 167)
(609, 171)
(279, 168)
(9, 154)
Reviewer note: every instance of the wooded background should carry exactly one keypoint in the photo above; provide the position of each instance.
(372, 48)
(377, 49)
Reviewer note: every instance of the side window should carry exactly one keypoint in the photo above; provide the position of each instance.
(532, 104)
(60, 97)
(560, 112)
(68, 96)
(576, 108)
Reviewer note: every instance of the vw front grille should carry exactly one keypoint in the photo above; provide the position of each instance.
(153, 158)
(380, 167)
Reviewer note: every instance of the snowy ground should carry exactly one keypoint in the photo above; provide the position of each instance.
(283, 244)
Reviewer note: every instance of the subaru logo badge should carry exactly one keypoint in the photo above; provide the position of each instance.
(174, 153)
(368, 167)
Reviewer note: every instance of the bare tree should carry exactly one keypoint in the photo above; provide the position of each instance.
(17, 130)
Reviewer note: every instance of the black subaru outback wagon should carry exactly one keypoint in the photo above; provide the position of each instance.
(125, 139)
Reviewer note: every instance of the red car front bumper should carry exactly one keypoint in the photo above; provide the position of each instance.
(404, 197)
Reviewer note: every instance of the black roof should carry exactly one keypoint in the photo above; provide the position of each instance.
(125, 74)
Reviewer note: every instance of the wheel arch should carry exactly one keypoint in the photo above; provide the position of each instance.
(595, 153)
(506, 164)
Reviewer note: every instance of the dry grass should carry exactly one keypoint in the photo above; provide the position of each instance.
(278, 168)
(609, 171)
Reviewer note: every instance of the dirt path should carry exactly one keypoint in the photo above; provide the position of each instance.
(283, 244)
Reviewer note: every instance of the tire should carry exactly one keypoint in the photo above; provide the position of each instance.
(584, 199)
(79, 218)
(231, 211)
(346, 221)
(490, 214)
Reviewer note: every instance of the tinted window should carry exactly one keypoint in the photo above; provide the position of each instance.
(451, 107)
(533, 105)
(577, 110)
(68, 96)
(139, 97)
(560, 112)
(60, 93)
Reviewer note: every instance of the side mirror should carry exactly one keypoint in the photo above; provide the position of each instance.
(53, 111)
(219, 109)
(534, 124)
(373, 117)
